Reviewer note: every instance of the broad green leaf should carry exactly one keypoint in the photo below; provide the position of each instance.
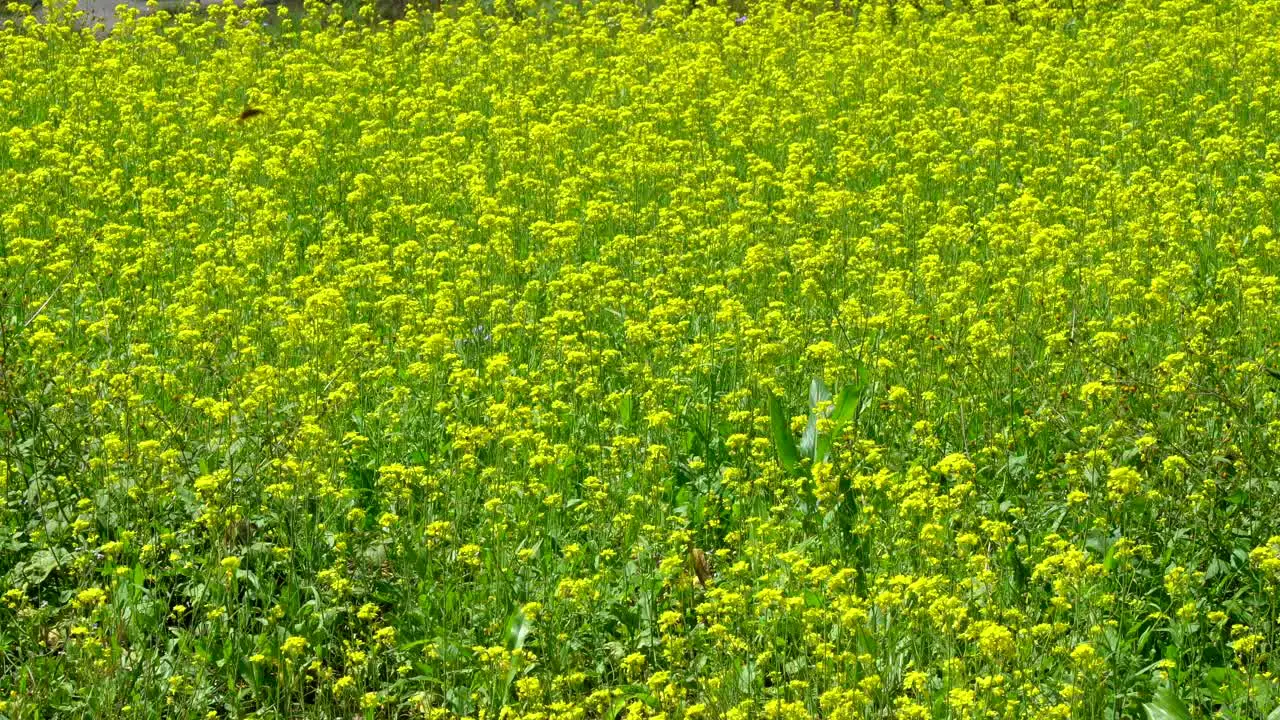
(517, 630)
(1167, 706)
(39, 566)
(809, 442)
(823, 451)
(746, 677)
(1109, 559)
(818, 392)
(844, 410)
(783, 441)
(847, 403)
(1021, 575)
(626, 408)
(1224, 684)
(630, 694)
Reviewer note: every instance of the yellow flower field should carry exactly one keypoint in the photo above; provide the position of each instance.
(602, 360)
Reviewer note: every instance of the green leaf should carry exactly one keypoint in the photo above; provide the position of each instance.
(1167, 706)
(517, 630)
(1021, 575)
(1275, 714)
(845, 409)
(810, 442)
(631, 693)
(38, 567)
(847, 403)
(783, 441)
(626, 408)
(818, 392)
(823, 450)
(1109, 561)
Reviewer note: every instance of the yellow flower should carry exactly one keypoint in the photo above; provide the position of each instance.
(1123, 482)
(955, 465)
(469, 554)
(633, 663)
(1266, 558)
(111, 548)
(91, 597)
(996, 641)
(293, 645)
